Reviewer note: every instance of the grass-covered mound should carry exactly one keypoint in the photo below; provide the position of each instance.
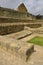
(36, 40)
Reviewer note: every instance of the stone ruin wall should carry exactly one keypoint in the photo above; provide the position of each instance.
(8, 25)
(9, 17)
(9, 13)
(10, 29)
(12, 20)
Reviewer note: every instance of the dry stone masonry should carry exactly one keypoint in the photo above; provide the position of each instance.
(12, 21)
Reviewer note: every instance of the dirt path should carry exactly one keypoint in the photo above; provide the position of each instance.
(9, 59)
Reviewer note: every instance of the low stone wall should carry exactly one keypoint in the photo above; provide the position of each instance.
(10, 29)
(34, 25)
(34, 30)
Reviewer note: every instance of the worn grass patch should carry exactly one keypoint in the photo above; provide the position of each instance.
(36, 40)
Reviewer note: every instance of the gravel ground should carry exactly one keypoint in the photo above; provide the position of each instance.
(7, 58)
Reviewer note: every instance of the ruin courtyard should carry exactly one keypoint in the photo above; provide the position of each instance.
(17, 28)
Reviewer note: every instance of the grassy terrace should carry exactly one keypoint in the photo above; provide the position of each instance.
(37, 40)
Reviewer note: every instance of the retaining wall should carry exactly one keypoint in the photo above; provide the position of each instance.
(10, 29)
(16, 20)
(9, 25)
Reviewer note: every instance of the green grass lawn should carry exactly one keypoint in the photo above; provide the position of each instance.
(36, 40)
